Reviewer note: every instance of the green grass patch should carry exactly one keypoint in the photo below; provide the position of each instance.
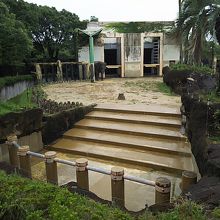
(214, 139)
(22, 199)
(163, 88)
(18, 103)
(11, 80)
(150, 86)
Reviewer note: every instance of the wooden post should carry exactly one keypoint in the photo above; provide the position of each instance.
(117, 185)
(51, 167)
(162, 190)
(12, 150)
(188, 178)
(25, 162)
(80, 71)
(82, 176)
(72, 72)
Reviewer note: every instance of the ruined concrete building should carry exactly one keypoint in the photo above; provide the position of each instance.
(132, 54)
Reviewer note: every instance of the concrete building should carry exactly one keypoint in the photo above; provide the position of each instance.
(132, 54)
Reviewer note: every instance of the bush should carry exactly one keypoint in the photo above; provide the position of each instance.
(22, 198)
(192, 69)
(11, 80)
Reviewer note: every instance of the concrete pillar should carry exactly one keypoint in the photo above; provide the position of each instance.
(117, 185)
(12, 150)
(51, 167)
(24, 160)
(82, 176)
(162, 190)
(188, 178)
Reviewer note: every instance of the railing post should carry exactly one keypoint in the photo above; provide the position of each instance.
(188, 178)
(162, 190)
(117, 185)
(82, 176)
(12, 150)
(51, 167)
(24, 160)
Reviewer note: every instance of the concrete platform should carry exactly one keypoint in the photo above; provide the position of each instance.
(151, 109)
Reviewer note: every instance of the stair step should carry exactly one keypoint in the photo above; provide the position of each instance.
(130, 141)
(150, 159)
(141, 109)
(128, 128)
(137, 118)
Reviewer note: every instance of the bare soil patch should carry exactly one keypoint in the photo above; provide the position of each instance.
(136, 91)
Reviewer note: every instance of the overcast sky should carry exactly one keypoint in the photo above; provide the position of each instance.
(118, 10)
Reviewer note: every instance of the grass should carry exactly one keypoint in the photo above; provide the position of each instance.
(212, 96)
(214, 139)
(150, 86)
(18, 103)
(22, 198)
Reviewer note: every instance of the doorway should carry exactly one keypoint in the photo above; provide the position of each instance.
(112, 54)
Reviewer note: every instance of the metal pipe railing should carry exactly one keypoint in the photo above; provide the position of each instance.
(139, 180)
(66, 162)
(99, 170)
(33, 154)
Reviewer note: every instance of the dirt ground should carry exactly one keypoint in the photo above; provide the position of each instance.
(136, 91)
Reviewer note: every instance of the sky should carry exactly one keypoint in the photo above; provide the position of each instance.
(117, 10)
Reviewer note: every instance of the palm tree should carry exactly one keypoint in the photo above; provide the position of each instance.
(196, 22)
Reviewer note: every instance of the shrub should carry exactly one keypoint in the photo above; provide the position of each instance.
(192, 68)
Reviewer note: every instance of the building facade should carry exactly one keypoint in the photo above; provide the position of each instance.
(133, 54)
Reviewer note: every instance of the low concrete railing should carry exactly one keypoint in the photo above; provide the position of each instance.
(20, 156)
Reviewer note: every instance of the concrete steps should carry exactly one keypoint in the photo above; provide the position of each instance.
(160, 120)
(144, 136)
(155, 160)
(129, 141)
(131, 128)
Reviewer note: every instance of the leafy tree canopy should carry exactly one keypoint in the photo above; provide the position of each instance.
(52, 31)
(15, 43)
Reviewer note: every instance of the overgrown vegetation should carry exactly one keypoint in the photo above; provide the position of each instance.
(140, 27)
(18, 103)
(29, 199)
(211, 96)
(150, 86)
(192, 68)
(11, 80)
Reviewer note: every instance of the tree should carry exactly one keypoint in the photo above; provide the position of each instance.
(52, 31)
(195, 24)
(14, 40)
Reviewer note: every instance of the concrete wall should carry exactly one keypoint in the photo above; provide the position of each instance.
(9, 92)
(98, 54)
(34, 141)
(133, 54)
(171, 51)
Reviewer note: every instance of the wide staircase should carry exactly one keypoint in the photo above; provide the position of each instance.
(147, 136)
